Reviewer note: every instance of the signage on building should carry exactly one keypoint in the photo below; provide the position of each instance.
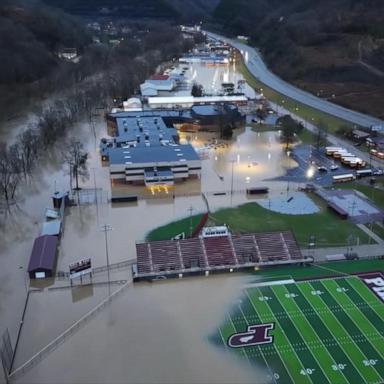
(80, 268)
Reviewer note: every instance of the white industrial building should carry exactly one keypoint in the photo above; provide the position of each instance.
(157, 83)
(189, 101)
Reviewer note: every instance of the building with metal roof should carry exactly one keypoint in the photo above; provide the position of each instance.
(42, 261)
(52, 227)
(146, 150)
(157, 83)
(189, 101)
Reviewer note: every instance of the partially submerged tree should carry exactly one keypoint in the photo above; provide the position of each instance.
(10, 172)
(289, 128)
(26, 150)
(321, 134)
(76, 157)
(197, 90)
(261, 113)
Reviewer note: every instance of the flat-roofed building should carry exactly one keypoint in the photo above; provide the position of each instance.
(189, 101)
(146, 151)
(154, 164)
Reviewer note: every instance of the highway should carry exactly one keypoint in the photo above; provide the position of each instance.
(257, 67)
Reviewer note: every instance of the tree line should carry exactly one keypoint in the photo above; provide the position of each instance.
(104, 74)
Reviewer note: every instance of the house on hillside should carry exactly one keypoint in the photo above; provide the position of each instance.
(67, 53)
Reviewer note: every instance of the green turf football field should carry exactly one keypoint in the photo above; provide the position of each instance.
(324, 331)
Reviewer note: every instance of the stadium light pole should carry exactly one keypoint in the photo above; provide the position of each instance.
(233, 162)
(106, 228)
(190, 220)
(289, 167)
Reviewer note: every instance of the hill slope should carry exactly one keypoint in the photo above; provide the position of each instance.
(117, 8)
(186, 10)
(30, 35)
(331, 47)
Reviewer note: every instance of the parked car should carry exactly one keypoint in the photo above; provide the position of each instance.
(333, 167)
(322, 168)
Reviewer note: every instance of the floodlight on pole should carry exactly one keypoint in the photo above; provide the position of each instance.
(106, 228)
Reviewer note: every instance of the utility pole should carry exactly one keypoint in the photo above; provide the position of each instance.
(94, 184)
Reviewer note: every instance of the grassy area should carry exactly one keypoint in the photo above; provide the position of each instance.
(307, 137)
(325, 225)
(170, 230)
(309, 114)
(263, 127)
(322, 270)
(374, 194)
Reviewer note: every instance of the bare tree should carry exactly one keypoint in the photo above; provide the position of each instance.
(26, 149)
(76, 157)
(10, 172)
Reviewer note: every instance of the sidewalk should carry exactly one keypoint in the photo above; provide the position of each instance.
(363, 251)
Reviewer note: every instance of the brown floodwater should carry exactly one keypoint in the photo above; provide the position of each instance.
(151, 333)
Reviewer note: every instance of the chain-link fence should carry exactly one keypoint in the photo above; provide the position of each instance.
(20, 371)
(6, 353)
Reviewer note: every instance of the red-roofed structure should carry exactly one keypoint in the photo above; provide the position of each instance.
(159, 77)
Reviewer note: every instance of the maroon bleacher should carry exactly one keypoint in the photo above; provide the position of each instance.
(165, 256)
(219, 251)
(192, 253)
(271, 246)
(294, 250)
(178, 255)
(143, 260)
(245, 249)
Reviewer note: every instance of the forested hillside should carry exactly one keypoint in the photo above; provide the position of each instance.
(194, 10)
(331, 47)
(30, 36)
(118, 8)
(177, 10)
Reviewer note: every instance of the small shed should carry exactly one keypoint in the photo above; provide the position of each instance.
(43, 257)
(360, 135)
(52, 227)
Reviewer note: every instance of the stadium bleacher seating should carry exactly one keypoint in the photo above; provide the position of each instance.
(192, 253)
(165, 256)
(211, 252)
(143, 261)
(246, 249)
(219, 251)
